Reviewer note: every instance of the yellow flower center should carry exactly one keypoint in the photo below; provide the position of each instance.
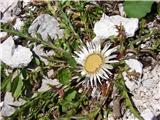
(93, 62)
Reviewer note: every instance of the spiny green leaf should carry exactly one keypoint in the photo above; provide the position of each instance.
(6, 83)
(70, 60)
(156, 45)
(137, 9)
(69, 107)
(158, 9)
(64, 75)
(94, 113)
(71, 95)
(17, 85)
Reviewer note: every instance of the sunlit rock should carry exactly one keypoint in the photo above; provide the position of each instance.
(134, 65)
(18, 24)
(46, 83)
(3, 35)
(107, 26)
(9, 104)
(15, 57)
(147, 115)
(46, 25)
(42, 54)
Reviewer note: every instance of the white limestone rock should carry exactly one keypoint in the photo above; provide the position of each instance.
(9, 9)
(7, 4)
(147, 96)
(46, 25)
(15, 57)
(6, 7)
(106, 27)
(128, 116)
(156, 92)
(3, 35)
(9, 105)
(121, 10)
(18, 24)
(147, 115)
(131, 84)
(148, 83)
(135, 65)
(46, 82)
(50, 73)
(39, 51)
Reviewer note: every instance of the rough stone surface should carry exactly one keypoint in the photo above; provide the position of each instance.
(6, 7)
(134, 65)
(39, 51)
(8, 107)
(106, 27)
(3, 36)
(146, 94)
(18, 24)
(46, 82)
(15, 57)
(46, 25)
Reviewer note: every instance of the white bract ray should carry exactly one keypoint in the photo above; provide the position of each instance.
(95, 62)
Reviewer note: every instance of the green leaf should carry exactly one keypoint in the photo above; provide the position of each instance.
(137, 9)
(37, 61)
(69, 59)
(75, 45)
(64, 75)
(69, 107)
(17, 85)
(158, 9)
(156, 45)
(24, 72)
(6, 83)
(8, 87)
(70, 96)
(94, 113)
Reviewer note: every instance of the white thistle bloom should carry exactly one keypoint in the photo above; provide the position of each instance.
(95, 62)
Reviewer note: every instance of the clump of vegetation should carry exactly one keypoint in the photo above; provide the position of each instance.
(72, 100)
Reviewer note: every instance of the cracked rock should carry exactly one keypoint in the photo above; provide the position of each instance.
(46, 82)
(46, 25)
(9, 105)
(106, 27)
(15, 57)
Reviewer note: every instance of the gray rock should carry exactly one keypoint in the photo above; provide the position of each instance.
(3, 35)
(147, 96)
(7, 110)
(6, 7)
(39, 51)
(8, 103)
(147, 115)
(18, 24)
(149, 83)
(135, 65)
(46, 25)
(15, 57)
(46, 82)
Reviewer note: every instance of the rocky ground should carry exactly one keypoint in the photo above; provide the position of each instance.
(144, 88)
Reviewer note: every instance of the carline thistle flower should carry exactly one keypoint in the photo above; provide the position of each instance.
(95, 62)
